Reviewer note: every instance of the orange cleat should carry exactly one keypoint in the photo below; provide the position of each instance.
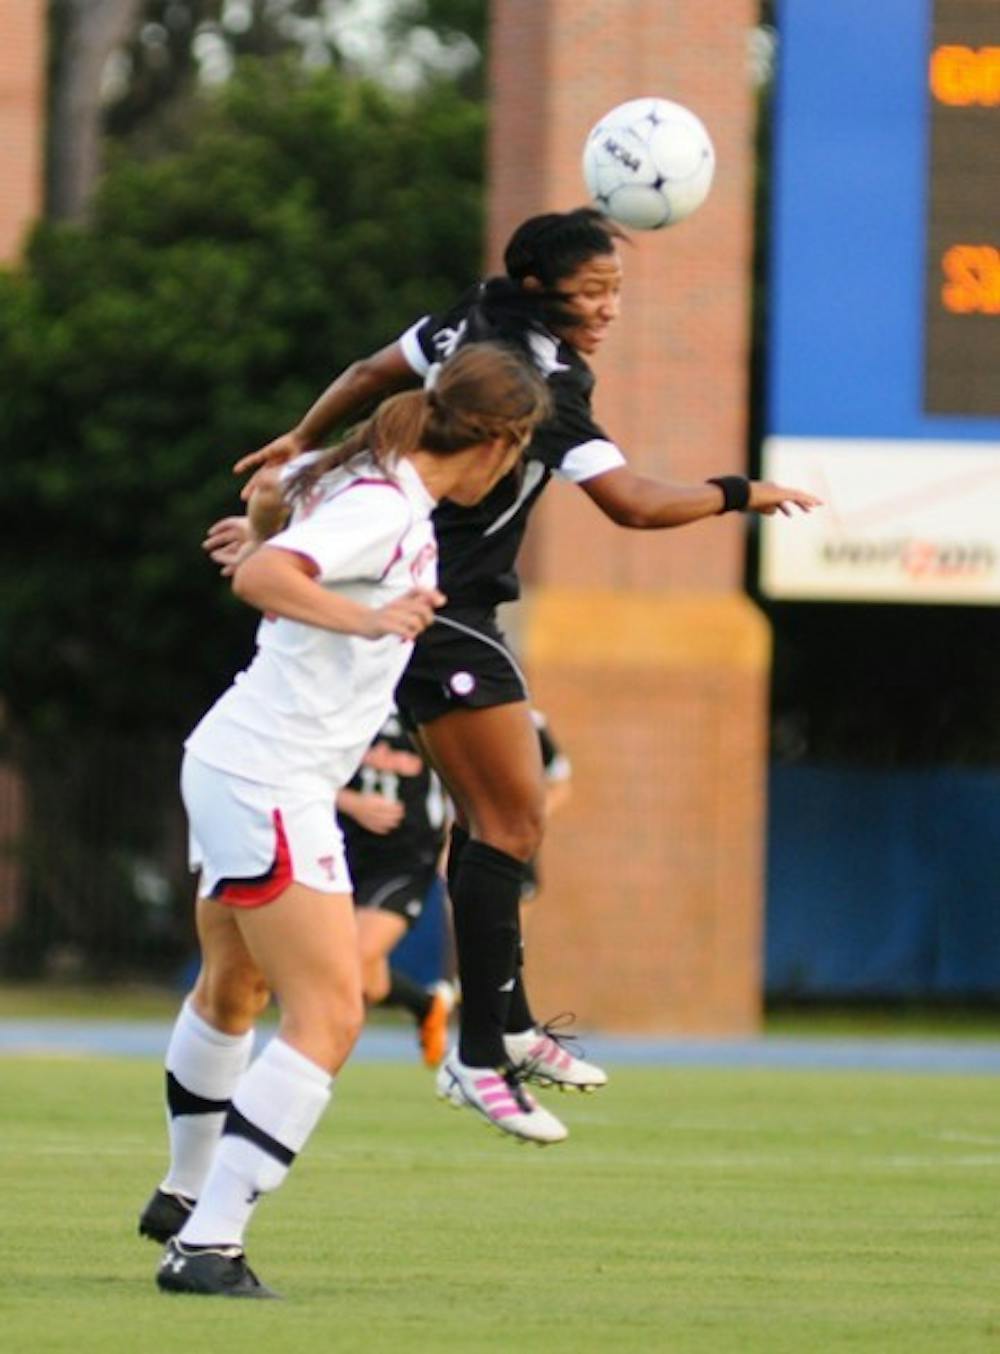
(433, 1029)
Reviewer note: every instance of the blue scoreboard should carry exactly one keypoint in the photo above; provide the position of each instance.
(884, 342)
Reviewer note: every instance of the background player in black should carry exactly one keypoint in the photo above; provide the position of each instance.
(558, 773)
(392, 815)
(557, 303)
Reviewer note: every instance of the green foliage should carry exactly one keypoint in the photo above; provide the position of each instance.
(451, 21)
(161, 64)
(306, 221)
(178, 42)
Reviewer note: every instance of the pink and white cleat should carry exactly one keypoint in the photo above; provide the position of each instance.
(500, 1099)
(540, 1055)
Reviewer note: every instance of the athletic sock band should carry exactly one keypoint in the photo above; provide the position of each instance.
(275, 1108)
(203, 1067)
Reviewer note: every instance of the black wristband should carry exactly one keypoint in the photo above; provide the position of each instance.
(735, 491)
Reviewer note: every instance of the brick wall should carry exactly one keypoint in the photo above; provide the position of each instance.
(651, 917)
(22, 113)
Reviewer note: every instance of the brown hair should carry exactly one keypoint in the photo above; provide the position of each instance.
(484, 391)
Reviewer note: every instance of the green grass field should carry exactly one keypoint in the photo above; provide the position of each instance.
(691, 1211)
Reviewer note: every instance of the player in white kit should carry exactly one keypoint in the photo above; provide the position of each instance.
(345, 586)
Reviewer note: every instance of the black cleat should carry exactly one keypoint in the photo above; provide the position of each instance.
(211, 1271)
(164, 1215)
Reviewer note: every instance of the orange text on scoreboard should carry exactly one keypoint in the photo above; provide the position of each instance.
(972, 279)
(966, 76)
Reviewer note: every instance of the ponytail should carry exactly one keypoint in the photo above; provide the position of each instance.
(483, 392)
(396, 427)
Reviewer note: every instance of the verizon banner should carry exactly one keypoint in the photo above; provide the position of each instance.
(903, 522)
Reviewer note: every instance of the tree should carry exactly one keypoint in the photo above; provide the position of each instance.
(214, 293)
(129, 69)
(85, 33)
(306, 219)
(120, 66)
(459, 28)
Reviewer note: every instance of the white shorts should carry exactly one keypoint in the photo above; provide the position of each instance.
(251, 841)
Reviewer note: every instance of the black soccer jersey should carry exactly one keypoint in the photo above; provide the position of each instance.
(478, 545)
(555, 764)
(393, 768)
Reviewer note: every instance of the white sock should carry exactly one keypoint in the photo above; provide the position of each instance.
(205, 1065)
(275, 1107)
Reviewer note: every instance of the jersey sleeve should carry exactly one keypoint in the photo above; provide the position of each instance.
(355, 534)
(435, 337)
(417, 344)
(571, 443)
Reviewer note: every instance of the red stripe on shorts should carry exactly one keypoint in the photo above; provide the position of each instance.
(262, 888)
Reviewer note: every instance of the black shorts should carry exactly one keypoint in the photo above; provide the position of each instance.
(461, 662)
(400, 893)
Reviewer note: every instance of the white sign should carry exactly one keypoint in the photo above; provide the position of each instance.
(904, 521)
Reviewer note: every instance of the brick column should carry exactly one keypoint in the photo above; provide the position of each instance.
(22, 121)
(647, 657)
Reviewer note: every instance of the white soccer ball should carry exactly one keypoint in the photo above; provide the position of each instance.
(648, 163)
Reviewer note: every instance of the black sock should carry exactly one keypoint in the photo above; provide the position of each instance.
(519, 1017)
(457, 843)
(485, 897)
(403, 991)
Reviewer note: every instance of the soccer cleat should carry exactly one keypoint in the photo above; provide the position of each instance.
(541, 1056)
(209, 1271)
(501, 1100)
(164, 1215)
(432, 1031)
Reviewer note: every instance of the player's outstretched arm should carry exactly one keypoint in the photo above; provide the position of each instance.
(231, 539)
(646, 504)
(367, 379)
(770, 498)
(283, 583)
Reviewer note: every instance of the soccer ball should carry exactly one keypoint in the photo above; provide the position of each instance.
(648, 163)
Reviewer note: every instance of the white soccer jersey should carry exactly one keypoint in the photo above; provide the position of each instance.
(311, 701)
